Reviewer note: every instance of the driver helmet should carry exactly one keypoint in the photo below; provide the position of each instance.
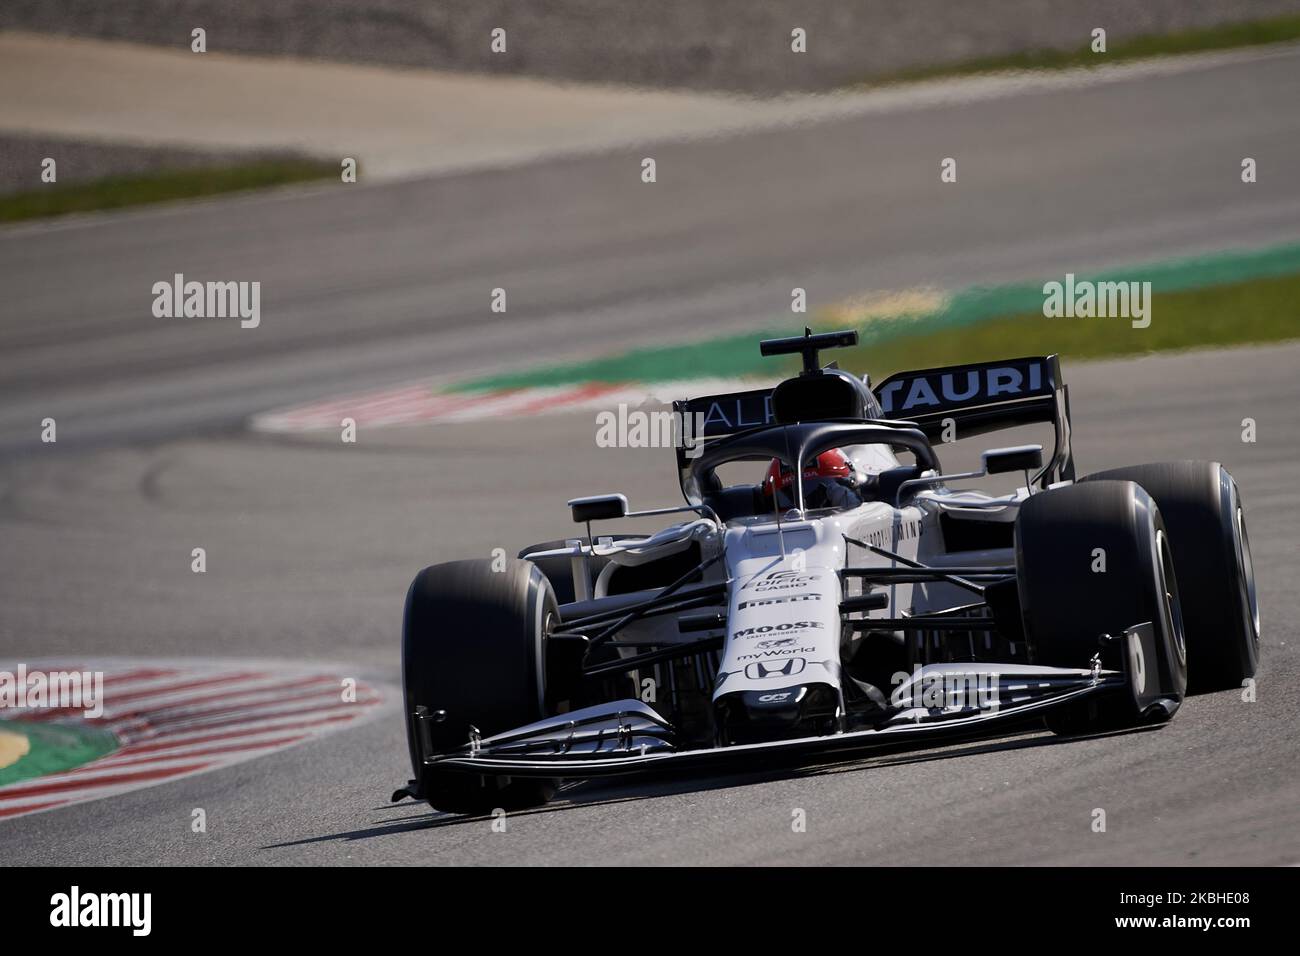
(825, 480)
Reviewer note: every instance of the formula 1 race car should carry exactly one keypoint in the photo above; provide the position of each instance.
(848, 600)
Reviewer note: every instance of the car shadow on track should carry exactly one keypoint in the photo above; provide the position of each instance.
(612, 791)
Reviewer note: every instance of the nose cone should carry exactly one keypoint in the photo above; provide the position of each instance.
(779, 713)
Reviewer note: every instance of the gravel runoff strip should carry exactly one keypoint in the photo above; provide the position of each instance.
(732, 45)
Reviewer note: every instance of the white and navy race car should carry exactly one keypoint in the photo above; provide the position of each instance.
(848, 599)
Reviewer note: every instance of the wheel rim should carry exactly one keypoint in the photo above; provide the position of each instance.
(1169, 595)
(1246, 566)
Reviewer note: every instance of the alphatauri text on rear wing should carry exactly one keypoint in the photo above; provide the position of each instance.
(956, 401)
(983, 397)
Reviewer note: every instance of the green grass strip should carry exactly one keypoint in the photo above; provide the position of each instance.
(115, 192)
(727, 357)
(1241, 314)
(54, 748)
(1237, 316)
(1257, 310)
(1221, 37)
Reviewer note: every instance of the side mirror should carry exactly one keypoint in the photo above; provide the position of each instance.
(598, 508)
(998, 461)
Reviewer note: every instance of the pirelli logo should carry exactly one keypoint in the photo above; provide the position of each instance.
(789, 599)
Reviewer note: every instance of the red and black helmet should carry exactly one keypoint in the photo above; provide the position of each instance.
(829, 464)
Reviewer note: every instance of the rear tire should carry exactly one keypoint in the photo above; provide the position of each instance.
(474, 647)
(1202, 509)
(1067, 606)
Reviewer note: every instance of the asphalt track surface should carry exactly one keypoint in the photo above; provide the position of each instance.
(311, 543)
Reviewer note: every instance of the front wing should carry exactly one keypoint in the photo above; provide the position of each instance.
(627, 736)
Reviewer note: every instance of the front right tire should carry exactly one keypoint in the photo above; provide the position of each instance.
(1202, 509)
(1094, 559)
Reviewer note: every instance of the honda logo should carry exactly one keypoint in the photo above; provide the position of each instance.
(763, 669)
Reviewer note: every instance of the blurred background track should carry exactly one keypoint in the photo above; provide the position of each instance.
(733, 45)
(364, 287)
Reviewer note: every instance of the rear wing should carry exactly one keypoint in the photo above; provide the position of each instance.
(959, 401)
(722, 415)
(950, 402)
